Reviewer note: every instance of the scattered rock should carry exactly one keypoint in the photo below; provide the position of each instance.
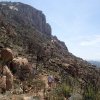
(20, 61)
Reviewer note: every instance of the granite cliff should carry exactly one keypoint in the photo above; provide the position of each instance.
(25, 15)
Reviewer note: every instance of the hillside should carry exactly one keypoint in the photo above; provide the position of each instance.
(25, 31)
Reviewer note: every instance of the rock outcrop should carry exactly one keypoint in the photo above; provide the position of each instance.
(2, 84)
(9, 78)
(26, 15)
(6, 78)
(6, 55)
(21, 67)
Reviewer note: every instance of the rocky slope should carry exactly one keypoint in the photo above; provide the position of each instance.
(24, 30)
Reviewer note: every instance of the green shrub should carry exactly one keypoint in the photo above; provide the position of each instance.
(59, 93)
(64, 89)
(89, 93)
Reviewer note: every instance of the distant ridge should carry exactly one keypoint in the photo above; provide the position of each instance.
(97, 63)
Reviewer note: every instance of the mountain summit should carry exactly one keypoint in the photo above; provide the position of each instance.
(25, 15)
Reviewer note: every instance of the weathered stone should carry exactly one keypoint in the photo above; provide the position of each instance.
(2, 83)
(27, 98)
(6, 55)
(9, 78)
(21, 67)
(19, 63)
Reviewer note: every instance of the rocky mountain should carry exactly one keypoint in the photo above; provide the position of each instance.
(31, 52)
(25, 15)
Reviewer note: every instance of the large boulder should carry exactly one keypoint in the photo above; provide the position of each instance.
(2, 83)
(9, 78)
(21, 67)
(6, 55)
(6, 78)
(18, 63)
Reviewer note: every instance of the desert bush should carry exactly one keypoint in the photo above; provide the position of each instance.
(59, 93)
(36, 84)
(89, 93)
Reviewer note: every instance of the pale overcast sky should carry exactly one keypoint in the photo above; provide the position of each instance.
(76, 22)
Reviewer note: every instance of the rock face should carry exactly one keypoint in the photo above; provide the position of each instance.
(26, 15)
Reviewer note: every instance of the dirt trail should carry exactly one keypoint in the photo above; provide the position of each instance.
(45, 80)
